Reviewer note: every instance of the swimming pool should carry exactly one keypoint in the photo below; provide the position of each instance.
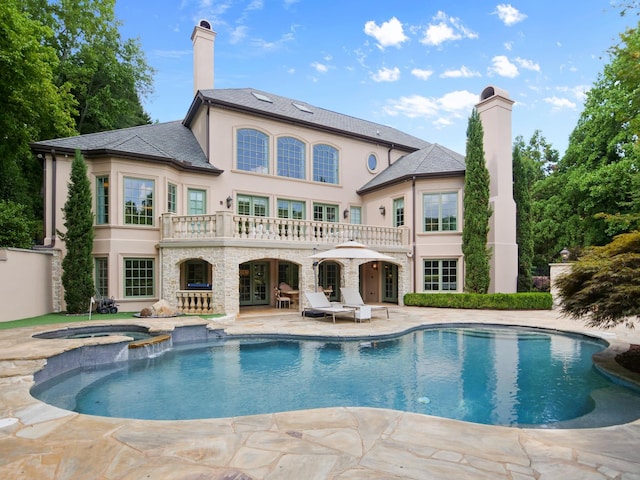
(500, 376)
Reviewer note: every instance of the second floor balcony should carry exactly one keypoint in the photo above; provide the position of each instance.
(224, 226)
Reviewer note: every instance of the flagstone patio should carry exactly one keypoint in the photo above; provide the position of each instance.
(43, 442)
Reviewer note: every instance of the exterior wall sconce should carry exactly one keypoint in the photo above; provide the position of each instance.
(375, 265)
(229, 201)
(345, 214)
(383, 211)
(564, 253)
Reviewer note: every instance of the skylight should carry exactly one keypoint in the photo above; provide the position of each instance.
(302, 108)
(262, 97)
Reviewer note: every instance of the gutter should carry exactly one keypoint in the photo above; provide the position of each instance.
(413, 235)
(54, 172)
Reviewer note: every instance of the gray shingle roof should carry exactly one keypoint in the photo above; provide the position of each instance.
(170, 141)
(434, 160)
(286, 109)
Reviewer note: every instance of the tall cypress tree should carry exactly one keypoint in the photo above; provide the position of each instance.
(77, 265)
(477, 211)
(522, 179)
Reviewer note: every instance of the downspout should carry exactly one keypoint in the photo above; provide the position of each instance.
(52, 243)
(413, 235)
(208, 135)
(389, 154)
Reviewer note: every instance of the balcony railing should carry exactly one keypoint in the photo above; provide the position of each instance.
(279, 230)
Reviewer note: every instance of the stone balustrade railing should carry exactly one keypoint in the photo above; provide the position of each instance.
(249, 228)
(195, 301)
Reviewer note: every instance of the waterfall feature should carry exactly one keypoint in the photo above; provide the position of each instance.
(149, 347)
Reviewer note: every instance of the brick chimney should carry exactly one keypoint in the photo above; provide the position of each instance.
(495, 114)
(203, 39)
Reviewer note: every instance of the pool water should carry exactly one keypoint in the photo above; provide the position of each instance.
(500, 376)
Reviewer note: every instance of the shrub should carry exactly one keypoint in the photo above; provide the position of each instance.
(490, 301)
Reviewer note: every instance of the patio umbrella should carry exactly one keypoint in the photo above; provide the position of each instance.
(347, 251)
(352, 251)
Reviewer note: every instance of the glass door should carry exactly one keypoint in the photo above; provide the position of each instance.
(390, 283)
(254, 283)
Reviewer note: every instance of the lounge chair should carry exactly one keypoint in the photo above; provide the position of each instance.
(352, 298)
(319, 303)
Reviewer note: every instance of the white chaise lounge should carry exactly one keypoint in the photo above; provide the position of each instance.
(353, 299)
(318, 303)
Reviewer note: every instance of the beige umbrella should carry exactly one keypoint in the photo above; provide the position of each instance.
(347, 251)
(352, 251)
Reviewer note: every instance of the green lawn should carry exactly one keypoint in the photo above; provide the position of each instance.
(53, 318)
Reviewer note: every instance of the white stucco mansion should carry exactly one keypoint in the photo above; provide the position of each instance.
(212, 212)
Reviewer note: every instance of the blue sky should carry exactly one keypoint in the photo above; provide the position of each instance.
(418, 66)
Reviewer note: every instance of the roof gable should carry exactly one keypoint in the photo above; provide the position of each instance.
(434, 160)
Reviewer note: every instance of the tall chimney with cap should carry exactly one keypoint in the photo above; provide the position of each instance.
(203, 39)
(494, 110)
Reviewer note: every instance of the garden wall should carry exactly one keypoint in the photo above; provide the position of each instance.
(30, 283)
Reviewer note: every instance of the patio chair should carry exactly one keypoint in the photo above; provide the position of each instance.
(282, 301)
(352, 298)
(319, 303)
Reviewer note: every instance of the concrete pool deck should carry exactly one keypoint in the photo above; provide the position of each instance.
(38, 441)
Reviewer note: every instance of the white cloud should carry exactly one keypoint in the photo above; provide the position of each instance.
(238, 34)
(579, 92)
(421, 74)
(445, 29)
(172, 53)
(389, 34)
(260, 43)
(527, 64)
(503, 67)
(508, 45)
(508, 14)
(444, 110)
(462, 72)
(320, 67)
(386, 75)
(560, 103)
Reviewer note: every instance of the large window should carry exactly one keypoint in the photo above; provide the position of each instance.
(398, 212)
(172, 198)
(440, 275)
(138, 277)
(197, 202)
(440, 212)
(325, 164)
(102, 200)
(355, 215)
(325, 213)
(254, 206)
(253, 151)
(101, 265)
(291, 158)
(291, 209)
(138, 201)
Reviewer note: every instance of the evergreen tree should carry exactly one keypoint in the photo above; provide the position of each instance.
(476, 211)
(77, 265)
(524, 239)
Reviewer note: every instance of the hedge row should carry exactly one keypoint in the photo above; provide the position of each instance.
(490, 301)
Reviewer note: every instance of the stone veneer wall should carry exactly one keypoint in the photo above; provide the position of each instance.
(225, 262)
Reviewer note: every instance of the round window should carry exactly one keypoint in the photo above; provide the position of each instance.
(372, 162)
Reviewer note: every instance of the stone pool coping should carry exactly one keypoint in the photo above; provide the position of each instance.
(41, 441)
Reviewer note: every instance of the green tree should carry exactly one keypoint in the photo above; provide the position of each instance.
(597, 178)
(34, 106)
(16, 227)
(108, 75)
(603, 286)
(77, 265)
(476, 211)
(522, 173)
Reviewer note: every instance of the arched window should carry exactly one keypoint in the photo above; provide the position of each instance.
(291, 158)
(325, 164)
(253, 151)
